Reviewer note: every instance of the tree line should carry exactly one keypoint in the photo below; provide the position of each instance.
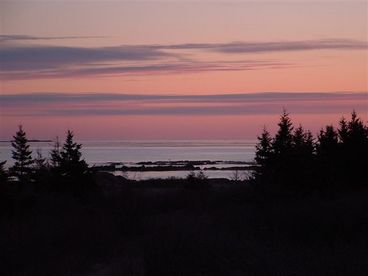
(64, 164)
(293, 160)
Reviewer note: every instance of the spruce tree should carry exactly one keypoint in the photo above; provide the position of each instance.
(343, 130)
(284, 137)
(282, 150)
(263, 153)
(302, 142)
(21, 154)
(327, 141)
(328, 158)
(309, 143)
(71, 163)
(355, 150)
(298, 137)
(55, 154)
(300, 160)
(357, 132)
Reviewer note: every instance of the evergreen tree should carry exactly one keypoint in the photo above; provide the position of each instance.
(355, 151)
(274, 156)
(283, 138)
(327, 141)
(286, 161)
(300, 159)
(21, 154)
(263, 153)
(55, 154)
(328, 159)
(298, 137)
(343, 130)
(302, 142)
(357, 132)
(309, 144)
(293, 162)
(282, 152)
(71, 163)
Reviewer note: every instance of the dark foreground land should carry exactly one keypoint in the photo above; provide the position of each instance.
(176, 227)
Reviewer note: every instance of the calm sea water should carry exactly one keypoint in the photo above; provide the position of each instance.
(130, 152)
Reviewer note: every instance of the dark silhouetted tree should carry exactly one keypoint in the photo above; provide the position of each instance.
(264, 147)
(263, 154)
(293, 162)
(301, 158)
(284, 137)
(71, 163)
(303, 140)
(282, 146)
(343, 130)
(285, 162)
(303, 143)
(328, 159)
(21, 154)
(55, 155)
(327, 141)
(353, 149)
(357, 132)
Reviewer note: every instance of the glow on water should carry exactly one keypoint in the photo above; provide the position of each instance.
(103, 151)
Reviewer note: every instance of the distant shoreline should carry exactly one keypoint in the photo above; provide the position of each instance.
(182, 165)
(178, 169)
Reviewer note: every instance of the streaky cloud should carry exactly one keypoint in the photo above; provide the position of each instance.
(17, 58)
(17, 37)
(37, 62)
(7, 98)
(110, 104)
(275, 46)
(167, 68)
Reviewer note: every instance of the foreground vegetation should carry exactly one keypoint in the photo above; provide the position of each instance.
(303, 213)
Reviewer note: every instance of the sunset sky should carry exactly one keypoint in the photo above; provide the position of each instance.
(179, 69)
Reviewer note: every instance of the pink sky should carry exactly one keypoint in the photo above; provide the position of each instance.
(178, 48)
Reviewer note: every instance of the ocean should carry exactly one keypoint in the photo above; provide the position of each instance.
(101, 152)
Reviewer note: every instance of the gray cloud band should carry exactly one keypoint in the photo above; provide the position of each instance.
(107, 104)
(31, 62)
